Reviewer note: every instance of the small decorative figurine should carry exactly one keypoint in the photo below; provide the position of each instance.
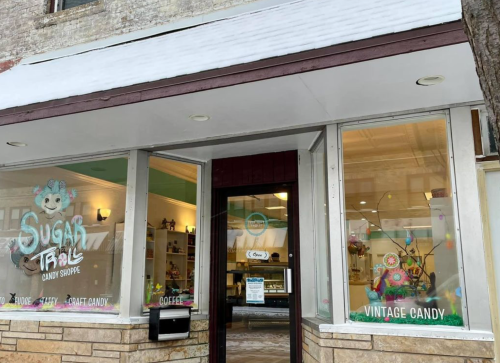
(68, 299)
(373, 296)
(172, 225)
(164, 223)
(12, 298)
(187, 229)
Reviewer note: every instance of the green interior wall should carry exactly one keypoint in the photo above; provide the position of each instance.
(160, 183)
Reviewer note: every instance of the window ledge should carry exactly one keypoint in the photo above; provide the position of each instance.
(63, 16)
(441, 332)
(83, 318)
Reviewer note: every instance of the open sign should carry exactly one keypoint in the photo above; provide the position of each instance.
(258, 255)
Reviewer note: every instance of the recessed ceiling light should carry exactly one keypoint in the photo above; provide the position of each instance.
(273, 208)
(430, 80)
(199, 118)
(372, 225)
(362, 202)
(374, 211)
(16, 144)
(363, 219)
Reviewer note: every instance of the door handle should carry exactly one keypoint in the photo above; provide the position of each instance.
(288, 280)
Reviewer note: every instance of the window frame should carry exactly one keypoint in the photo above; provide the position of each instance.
(199, 225)
(56, 5)
(321, 139)
(403, 121)
(89, 317)
(476, 326)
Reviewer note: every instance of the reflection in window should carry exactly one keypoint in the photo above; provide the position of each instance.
(51, 257)
(402, 252)
(171, 242)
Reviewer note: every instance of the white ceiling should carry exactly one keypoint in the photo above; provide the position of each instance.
(363, 89)
(262, 146)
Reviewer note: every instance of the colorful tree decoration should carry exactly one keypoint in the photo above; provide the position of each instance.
(452, 298)
(458, 291)
(441, 217)
(378, 269)
(449, 244)
(391, 260)
(397, 277)
(409, 262)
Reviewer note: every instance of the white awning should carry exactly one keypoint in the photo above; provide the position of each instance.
(285, 29)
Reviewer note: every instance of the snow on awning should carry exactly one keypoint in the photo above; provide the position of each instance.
(285, 29)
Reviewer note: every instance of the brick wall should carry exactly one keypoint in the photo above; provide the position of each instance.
(26, 28)
(360, 348)
(53, 342)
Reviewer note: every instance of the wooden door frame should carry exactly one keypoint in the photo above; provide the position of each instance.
(219, 230)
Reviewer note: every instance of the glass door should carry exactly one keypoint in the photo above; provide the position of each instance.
(258, 279)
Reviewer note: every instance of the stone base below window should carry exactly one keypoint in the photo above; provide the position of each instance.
(56, 342)
(358, 348)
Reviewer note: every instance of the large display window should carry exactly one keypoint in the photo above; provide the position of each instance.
(403, 252)
(171, 237)
(61, 237)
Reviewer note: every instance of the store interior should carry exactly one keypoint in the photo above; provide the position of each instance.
(400, 222)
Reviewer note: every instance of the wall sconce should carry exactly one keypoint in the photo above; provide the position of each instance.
(282, 196)
(103, 214)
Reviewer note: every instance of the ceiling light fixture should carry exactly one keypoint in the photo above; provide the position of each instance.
(273, 208)
(430, 80)
(374, 211)
(362, 202)
(199, 118)
(16, 144)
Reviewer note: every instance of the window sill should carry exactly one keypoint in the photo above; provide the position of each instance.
(83, 318)
(64, 16)
(441, 332)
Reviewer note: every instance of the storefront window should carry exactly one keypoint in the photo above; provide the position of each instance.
(171, 242)
(321, 232)
(400, 224)
(53, 257)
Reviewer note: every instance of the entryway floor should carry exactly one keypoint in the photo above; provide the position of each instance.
(266, 345)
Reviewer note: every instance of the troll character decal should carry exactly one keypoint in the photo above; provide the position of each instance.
(54, 197)
(23, 261)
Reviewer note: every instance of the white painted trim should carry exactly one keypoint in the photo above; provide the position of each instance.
(306, 221)
(337, 249)
(470, 219)
(175, 202)
(184, 23)
(205, 225)
(134, 241)
(90, 318)
(199, 234)
(409, 331)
